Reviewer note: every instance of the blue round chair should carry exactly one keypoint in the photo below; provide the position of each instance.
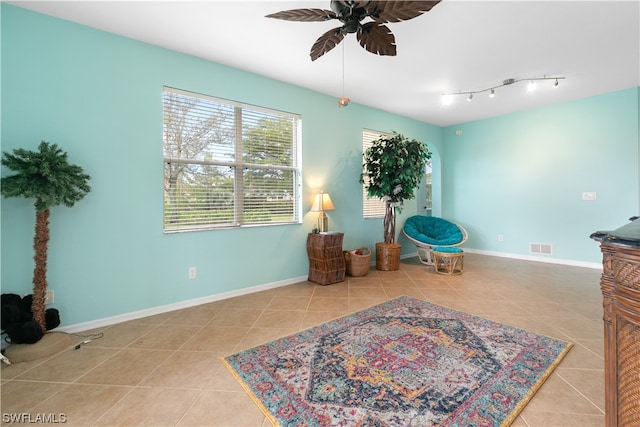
(426, 232)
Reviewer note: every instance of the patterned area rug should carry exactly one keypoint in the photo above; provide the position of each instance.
(405, 362)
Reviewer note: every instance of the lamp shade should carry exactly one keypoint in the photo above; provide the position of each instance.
(322, 202)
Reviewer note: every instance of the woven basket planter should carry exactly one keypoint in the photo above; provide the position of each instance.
(388, 256)
(358, 265)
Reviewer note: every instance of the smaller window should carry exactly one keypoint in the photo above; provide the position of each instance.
(371, 207)
(429, 186)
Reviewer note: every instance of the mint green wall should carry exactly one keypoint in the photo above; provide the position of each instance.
(522, 175)
(99, 97)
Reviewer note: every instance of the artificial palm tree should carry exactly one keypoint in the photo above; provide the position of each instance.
(47, 176)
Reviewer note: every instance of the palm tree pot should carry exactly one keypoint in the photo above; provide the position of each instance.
(388, 256)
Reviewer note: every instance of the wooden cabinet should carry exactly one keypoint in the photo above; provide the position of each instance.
(326, 260)
(620, 284)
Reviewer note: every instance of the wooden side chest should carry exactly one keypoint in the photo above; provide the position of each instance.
(620, 284)
(326, 260)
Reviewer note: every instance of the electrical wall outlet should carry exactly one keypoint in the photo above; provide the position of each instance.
(589, 195)
(48, 299)
(500, 238)
(192, 273)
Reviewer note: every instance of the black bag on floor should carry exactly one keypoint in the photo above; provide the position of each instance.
(17, 319)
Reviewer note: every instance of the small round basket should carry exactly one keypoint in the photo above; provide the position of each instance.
(358, 261)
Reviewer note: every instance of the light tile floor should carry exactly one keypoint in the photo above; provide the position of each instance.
(165, 370)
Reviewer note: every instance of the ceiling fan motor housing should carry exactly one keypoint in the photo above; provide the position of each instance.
(350, 14)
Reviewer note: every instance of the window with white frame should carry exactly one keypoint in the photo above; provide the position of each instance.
(228, 164)
(371, 207)
(429, 186)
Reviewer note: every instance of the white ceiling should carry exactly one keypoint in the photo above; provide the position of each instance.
(457, 46)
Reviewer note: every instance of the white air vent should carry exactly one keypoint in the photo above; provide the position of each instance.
(540, 248)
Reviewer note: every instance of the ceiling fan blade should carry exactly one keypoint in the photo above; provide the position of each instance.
(377, 38)
(304, 15)
(326, 42)
(398, 11)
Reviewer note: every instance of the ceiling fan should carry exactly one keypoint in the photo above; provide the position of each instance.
(373, 35)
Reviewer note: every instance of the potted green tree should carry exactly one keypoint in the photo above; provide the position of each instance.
(46, 176)
(392, 168)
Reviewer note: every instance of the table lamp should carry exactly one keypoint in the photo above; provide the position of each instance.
(322, 202)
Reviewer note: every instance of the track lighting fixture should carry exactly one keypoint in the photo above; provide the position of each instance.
(447, 98)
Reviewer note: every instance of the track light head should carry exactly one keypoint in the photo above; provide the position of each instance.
(492, 94)
(470, 97)
(556, 83)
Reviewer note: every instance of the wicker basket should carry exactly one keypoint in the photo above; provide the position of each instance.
(326, 261)
(358, 265)
(388, 256)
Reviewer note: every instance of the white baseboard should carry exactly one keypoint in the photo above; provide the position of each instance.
(570, 262)
(108, 321)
